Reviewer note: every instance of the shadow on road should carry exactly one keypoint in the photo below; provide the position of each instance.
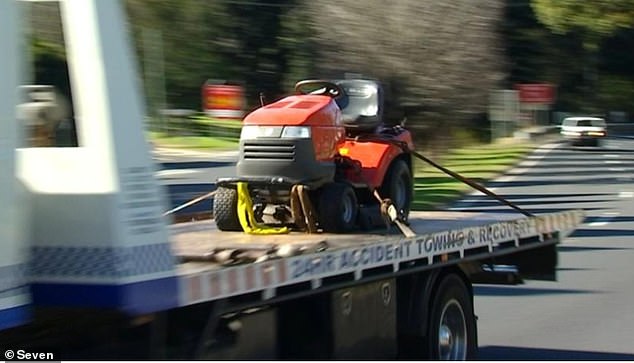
(532, 210)
(588, 172)
(593, 149)
(182, 193)
(492, 290)
(602, 232)
(494, 352)
(528, 183)
(562, 196)
(575, 269)
(561, 248)
(494, 203)
(612, 219)
(194, 164)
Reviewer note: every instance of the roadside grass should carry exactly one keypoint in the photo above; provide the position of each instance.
(226, 123)
(194, 142)
(196, 133)
(434, 189)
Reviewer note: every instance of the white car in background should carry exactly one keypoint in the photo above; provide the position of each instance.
(584, 130)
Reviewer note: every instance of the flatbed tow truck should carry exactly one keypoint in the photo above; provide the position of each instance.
(90, 268)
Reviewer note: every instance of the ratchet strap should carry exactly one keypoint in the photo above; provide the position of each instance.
(247, 217)
(471, 183)
(302, 209)
(452, 174)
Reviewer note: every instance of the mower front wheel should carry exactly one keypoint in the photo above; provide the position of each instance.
(226, 209)
(338, 208)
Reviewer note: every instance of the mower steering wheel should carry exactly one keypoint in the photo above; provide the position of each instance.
(318, 87)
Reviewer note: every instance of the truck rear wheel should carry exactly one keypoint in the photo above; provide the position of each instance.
(451, 333)
(397, 185)
(226, 209)
(338, 208)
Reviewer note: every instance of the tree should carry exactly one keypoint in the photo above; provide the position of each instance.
(441, 58)
(251, 42)
(537, 55)
(186, 32)
(595, 19)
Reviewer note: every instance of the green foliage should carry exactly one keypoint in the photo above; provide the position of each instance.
(616, 93)
(596, 18)
(559, 52)
(194, 142)
(50, 66)
(299, 47)
(253, 43)
(178, 38)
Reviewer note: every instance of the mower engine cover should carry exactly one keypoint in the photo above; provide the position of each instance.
(295, 138)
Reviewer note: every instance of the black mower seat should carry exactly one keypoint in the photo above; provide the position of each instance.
(362, 108)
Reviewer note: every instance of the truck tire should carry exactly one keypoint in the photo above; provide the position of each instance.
(338, 208)
(397, 185)
(226, 209)
(451, 333)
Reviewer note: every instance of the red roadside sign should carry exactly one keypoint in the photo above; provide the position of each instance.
(223, 101)
(536, 92)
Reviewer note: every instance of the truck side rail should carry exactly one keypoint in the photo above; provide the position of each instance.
(277, 278)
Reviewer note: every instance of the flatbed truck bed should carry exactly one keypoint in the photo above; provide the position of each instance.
(215, 264)
(359, 295)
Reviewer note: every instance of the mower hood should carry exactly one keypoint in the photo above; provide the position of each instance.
(308, 110)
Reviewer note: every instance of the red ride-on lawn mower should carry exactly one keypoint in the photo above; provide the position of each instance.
(321, 158)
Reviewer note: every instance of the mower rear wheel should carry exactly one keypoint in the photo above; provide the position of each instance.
(226, 209)
(338, 208)
(397, 186)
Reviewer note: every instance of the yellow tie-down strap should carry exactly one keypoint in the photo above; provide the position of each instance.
(247, 218)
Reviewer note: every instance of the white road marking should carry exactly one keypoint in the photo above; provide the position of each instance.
(523, 166)
(611, 155)
(597, 224)
(626, 195)
(604, 219)
(529, 161)
(506, 178)
(616, 169)
(176, 172)
(612, 161)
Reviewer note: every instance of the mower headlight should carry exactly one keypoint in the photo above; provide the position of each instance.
(296, 132)
(253, 132)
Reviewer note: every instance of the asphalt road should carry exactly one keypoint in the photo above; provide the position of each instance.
(589, 312)
(190, 175)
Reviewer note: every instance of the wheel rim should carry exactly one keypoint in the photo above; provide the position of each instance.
(452, 332)
(348, 208)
